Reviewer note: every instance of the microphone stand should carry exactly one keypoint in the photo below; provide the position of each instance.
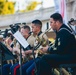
(34, 48)
(14, 29)
(20, 60)
(20, 57)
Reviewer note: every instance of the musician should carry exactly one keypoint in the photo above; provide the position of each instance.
(25, 31)
(8, 42)
(37, 33)
(62, 52)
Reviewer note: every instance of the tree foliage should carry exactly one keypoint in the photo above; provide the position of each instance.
(6, 7)
(32, 5)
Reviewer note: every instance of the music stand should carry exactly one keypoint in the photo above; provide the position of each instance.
(5, 54)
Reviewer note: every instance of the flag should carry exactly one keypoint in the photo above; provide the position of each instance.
(60, 7)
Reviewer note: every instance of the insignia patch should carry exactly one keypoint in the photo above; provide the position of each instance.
(55, 48)
(58, 41)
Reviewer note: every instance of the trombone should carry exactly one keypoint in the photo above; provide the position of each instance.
(47, 30)
(42, 43)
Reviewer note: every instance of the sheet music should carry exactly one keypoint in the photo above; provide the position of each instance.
(21, 39)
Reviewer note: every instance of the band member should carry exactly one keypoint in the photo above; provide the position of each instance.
(62, 52)
(8, 43)
(39, 36)
(25, 30)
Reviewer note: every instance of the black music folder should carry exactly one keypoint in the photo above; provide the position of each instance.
(5, 53)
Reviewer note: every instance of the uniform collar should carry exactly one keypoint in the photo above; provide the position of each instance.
(63, 25)
(39, 33)
(27, 37)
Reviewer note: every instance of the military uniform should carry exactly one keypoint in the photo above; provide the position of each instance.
(31, 40)
(39, 38)
(29, 66)
(65, 42)
(62, 52)
(15, 68)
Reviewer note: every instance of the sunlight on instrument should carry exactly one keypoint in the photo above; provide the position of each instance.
(39, 52)
(42, 40)
(51, 39)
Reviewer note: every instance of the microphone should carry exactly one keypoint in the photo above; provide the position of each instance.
(14, 28)
(12, 45)
(72, 21)
(5, 33)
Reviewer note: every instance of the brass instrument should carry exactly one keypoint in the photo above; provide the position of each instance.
(38, 41)
(7, 42)
(14, 41)
(13, 44)
(47, 30)
(72, 22)
(40, 53)
(42, 40)
(42, 43)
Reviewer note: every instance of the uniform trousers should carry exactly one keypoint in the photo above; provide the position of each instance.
(6, 69)
(47, 62)
(15, 69)
(26, 68)
(32, 67)
(12, 68)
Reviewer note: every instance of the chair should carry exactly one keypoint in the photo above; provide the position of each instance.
(70, 67)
